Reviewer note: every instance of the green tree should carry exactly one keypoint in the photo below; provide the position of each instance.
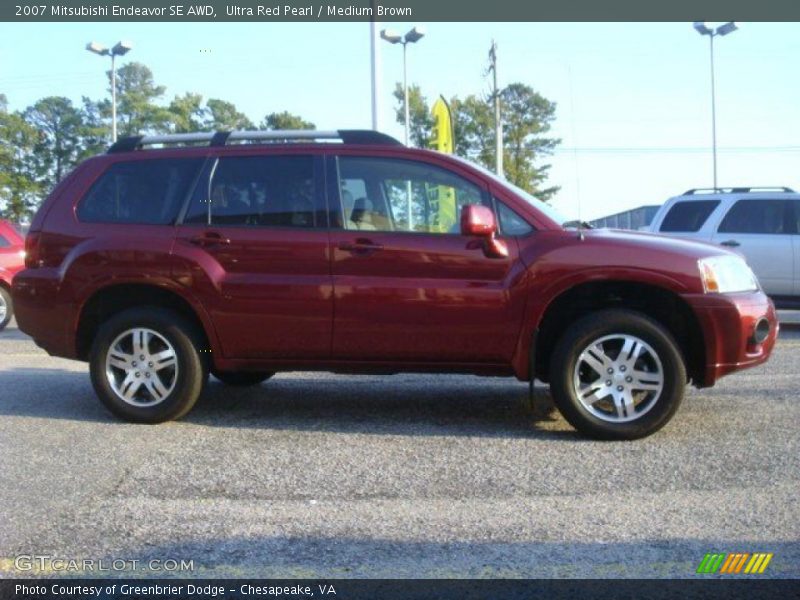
(96, 130)
(223, 116)
(18, 188)
(61, 141)
(285, 120)
(419, 115)
(187, 113)
(527, 116)
(473, 129)
(137, 94)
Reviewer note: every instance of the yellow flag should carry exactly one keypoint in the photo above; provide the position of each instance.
(442, 138)
(442, 198)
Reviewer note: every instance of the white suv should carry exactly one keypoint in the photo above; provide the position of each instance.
(763, 224)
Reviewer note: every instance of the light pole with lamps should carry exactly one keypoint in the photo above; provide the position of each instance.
(703, 29)
(412, 37)
(120, 49)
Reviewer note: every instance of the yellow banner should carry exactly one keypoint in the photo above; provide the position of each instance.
(442, 199)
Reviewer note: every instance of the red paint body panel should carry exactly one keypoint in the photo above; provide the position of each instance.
(12, 259)
(362, 301)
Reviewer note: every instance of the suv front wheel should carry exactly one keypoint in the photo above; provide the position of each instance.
(146, 366)
(617, 375)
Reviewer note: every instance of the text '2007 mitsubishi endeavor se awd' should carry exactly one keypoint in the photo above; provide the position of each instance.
(247, 253)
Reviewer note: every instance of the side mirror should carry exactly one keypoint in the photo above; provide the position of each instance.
(478, 221)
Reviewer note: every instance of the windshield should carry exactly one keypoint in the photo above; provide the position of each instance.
(548, 210)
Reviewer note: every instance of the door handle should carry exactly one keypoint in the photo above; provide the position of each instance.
(210, 238)
(360, 246)
(730, 243)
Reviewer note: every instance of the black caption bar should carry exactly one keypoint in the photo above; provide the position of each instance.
(398, 10)
(383, 589)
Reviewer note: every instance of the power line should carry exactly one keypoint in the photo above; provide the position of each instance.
(669, 149)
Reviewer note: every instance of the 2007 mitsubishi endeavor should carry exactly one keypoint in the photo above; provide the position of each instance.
(247, 253)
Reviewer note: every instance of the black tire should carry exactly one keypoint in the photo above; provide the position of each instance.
(242, 378)
(583, 333)
(5, 300)
(189, 378)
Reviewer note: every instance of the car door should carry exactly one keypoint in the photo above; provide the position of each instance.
(761, 230)
(11, 244)
(796, 244)
(407, 285)
(257, 222)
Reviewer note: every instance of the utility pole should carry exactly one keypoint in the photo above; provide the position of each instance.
(498, 123)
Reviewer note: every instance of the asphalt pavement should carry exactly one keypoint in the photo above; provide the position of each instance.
(319, 475)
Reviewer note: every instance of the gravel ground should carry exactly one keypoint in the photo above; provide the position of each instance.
(317, 475)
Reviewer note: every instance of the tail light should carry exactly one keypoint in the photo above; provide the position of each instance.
(32, 259)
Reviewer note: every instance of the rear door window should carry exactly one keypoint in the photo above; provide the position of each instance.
(757, 216)
(144, 192)
(688, 216)
(259, 191)
(4, 243)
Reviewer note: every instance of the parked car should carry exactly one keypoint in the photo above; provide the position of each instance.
(248, 253)
(12, 260)
(761, 223)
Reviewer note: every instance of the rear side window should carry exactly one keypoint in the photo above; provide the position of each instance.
(688, 216)
(4, 243)
(756, 216)
(259, 191)
(144, 192)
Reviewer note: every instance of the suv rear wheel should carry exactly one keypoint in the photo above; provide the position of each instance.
(617, 375)
(145, 365)
(6, 308)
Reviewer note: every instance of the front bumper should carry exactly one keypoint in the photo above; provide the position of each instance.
(728, 322)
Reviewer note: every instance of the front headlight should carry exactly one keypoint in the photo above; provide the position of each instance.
(726, 275)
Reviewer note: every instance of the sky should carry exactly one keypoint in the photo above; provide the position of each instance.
(633, 99)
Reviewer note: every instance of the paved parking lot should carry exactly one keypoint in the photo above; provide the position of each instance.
(316, 475)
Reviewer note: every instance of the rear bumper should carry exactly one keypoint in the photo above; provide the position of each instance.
(728, 322)
(42, 314)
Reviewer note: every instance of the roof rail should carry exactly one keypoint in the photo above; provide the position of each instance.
(739, 190)
(224, 138)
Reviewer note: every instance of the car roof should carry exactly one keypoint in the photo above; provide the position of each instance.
(754, 193)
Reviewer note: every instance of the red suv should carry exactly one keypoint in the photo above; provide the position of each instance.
(247, 253)
(12, 260)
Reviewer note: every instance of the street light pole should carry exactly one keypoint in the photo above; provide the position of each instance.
(405, 90)
(375, 71)
(119, 49)
(113, 98)
(412, 37)
(723, 30)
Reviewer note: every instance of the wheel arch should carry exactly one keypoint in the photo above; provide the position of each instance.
(113, 299)
(659, 303)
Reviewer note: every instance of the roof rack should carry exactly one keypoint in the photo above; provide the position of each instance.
(739, 190)
(224, 138)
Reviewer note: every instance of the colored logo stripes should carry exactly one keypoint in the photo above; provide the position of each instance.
(735, 563)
